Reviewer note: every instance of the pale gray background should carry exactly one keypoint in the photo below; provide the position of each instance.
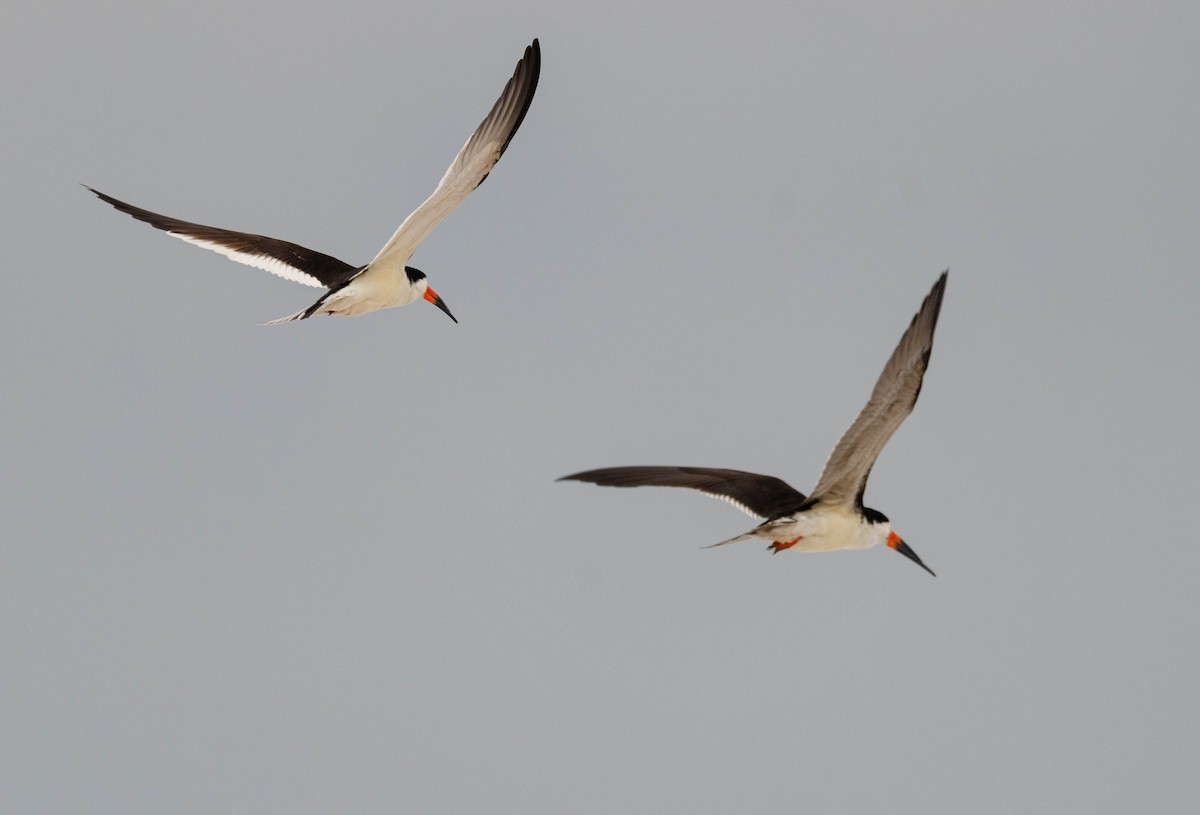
(324, 567)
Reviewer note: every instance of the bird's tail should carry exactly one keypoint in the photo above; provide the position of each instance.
(299, 315)
(738, 539)
(331, 296)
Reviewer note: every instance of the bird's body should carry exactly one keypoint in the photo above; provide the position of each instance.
(833, 516)
(387, 281)
(818, 528)
(374, 289)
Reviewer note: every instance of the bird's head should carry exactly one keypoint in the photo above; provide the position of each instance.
(881, 532)
(421, 283)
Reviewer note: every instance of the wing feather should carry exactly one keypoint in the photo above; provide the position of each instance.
(845, 475)
(287, 260)
(760, 496)
(472, 164)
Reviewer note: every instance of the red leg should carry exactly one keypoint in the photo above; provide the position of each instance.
(779, 546)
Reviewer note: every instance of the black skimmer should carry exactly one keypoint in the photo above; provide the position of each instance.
(385, 282)
(833, 516)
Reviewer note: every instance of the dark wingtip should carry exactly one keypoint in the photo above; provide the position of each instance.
(108, 199)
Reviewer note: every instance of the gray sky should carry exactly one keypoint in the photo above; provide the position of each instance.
(324, 567)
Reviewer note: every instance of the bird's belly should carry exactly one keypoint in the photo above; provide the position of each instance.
(363, 297)
(817, 531)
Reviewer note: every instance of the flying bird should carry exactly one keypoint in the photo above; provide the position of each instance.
(385, 282)
(833, 516)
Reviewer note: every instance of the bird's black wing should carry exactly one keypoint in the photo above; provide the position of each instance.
(287, 260)
(761, 496)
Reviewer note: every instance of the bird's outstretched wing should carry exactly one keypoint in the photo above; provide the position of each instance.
(845, 475)
(472, 164)
(760, 496)
(288, 260)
